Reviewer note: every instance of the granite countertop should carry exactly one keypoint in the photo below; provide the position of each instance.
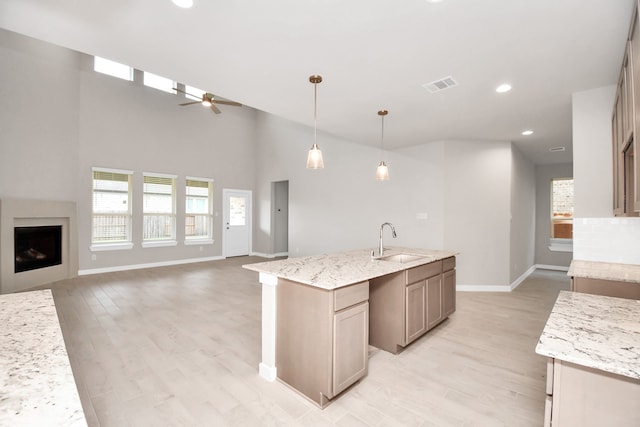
(594, 331)
(605, 271)
(331, 271)
(36, 382)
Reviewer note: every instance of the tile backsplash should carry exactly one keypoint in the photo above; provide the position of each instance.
(607, 240)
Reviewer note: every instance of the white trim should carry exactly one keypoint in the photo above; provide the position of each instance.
(521, 279)
(110, 170)
(515, 284)
(266, 255)
(97, 247)
(269, 373)
(194, 178)
(160, 175)
(552, 267)
(148, 265)
(159, 243)
(561, 245)
(193, 242)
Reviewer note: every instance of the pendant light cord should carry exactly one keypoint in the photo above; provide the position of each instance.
(315, 113)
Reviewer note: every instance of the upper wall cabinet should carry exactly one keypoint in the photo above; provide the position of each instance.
(625, 125)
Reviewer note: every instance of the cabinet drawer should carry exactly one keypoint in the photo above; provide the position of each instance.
(422, 272)
(350, 295)
(449, 263)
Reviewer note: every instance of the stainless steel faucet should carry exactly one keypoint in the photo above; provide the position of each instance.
(393, 233)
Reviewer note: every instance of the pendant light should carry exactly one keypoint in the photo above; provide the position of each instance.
(314, 160)
(382, 173)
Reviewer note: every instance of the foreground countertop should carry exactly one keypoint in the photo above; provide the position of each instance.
(605, 271)
(594, 331)
(331, 271)
(36, 382)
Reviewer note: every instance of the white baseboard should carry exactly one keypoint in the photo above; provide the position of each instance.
(265, 255)
(90, 271)
(269, 373)
(515, 284)
(552, 267)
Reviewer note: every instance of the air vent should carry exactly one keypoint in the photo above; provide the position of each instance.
(555, 149)
(441, 84)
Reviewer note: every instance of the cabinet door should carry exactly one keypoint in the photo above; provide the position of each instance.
(350, 346)
(618, 167)
(448, 293)
(416, 310)
(434, 301)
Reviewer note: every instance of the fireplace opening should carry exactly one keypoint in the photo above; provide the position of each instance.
(37, 247)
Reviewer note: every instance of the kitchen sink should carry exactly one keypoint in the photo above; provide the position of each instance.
(402, 258)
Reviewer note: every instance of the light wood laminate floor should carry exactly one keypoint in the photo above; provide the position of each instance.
(180, 346)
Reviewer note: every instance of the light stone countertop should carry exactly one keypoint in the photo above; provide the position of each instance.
(331, 271)
(37, 387)
(594, 331)
(605, 271)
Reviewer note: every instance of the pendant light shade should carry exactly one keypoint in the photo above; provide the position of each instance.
(314, 159)
(382, 172)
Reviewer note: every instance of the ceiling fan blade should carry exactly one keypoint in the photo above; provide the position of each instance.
(236, 104)
(190, 103)
(215, 109)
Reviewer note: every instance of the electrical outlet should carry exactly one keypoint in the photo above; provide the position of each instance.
(422, 216)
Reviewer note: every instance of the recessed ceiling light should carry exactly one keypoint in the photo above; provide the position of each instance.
(434, 1)
(527, 132)
(185, 4)
(503, 88)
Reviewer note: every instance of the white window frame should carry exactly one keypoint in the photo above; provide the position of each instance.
(169, 87)
(114, 245)
(208, 240)
(159, 242)
(99, 63)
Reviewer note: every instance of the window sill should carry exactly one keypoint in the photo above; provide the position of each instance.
(159, 243)
(198, 242)
(561, 245)
(111, 247)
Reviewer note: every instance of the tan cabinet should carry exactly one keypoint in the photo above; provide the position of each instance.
(578, 396)
(610, 288)
(321, 338)
(434, 301)
(415, 303)
(405, 305)
(625, 125)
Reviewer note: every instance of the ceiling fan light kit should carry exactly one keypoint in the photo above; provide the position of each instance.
(382, 172)
(314, 159)
(208, 100)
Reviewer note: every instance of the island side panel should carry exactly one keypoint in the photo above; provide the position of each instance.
(304, 325)
(386, 311)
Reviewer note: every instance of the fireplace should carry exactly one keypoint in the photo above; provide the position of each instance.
(38, 243)
(37, 247)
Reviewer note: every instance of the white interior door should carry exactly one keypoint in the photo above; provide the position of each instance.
(237, 222)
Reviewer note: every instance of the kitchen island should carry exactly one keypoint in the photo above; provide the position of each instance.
(317, 312)
(37, 387)
(593, 370)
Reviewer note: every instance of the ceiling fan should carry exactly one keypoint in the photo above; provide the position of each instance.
(208, 100)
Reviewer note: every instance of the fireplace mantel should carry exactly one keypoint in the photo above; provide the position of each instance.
(27, 212)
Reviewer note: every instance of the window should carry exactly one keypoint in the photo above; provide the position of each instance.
(111, 213)
(158, 82)
(194, 93)
(112, 68)
(159, 210)
(562, 208)
(198, 209)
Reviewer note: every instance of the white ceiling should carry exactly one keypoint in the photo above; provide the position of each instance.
(372, 54)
